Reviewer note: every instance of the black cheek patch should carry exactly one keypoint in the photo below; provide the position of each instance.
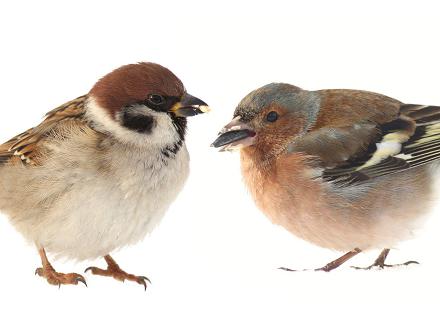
(138, 123)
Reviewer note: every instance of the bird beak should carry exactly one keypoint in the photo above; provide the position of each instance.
(189, 106)
(235, 135)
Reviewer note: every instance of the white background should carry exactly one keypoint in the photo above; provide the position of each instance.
(213, 261)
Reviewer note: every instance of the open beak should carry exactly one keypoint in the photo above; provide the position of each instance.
(235, 135)
(189, 106)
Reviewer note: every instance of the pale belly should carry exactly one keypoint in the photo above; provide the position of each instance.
(105, 213)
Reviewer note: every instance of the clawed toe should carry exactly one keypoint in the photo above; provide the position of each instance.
(379, 263)
(93, 269)
(287, 269)
(82, 280)
(55, 278)
(39, 271)
(410, 262)
(383, 265)
(119, 275)
(113, 270)
(143, 280)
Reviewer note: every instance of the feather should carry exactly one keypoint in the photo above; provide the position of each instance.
(27, 146)
(349, 156)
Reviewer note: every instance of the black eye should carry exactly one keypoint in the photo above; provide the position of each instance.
(272, 116)
(156, 99)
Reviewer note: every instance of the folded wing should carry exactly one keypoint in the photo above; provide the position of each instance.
(368, 149)
(26, 146)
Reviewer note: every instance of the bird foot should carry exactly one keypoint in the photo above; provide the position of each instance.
(117, 273)
(383, 265)
(332, 264)
(55, 278)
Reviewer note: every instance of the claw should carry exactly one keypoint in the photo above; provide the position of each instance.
(287, 269)
(362, 268)
(87, 269)
(145, 278)
(411, 262)
(82, 280)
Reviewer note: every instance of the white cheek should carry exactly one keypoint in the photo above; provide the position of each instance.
(164, 133)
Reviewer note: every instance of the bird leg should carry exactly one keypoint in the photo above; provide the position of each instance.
(333, 264)
(53, 277)
(380, 262)
(117, 273)
(336, 263)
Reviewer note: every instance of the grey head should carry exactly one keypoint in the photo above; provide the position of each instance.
(289, 97)
(272, 114)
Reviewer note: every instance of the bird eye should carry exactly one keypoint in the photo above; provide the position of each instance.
(272, 116)
(156, 99)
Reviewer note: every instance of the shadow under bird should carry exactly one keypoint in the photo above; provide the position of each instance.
(346, 170)
(101, 170)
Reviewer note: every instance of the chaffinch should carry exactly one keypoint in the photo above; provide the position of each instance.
(346, 170)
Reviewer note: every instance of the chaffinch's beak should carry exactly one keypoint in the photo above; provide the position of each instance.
(189, 106)
(235, 135)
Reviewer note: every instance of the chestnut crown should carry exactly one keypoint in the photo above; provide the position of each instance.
(136, 83)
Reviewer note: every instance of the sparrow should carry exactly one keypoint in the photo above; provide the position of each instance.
(346, 170)
(99, 172)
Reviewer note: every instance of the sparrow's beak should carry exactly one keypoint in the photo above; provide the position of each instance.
(189, 106)
(235, 135)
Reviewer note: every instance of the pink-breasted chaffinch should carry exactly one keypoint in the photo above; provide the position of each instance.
(344, 169)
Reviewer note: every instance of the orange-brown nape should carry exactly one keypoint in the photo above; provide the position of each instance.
(344, 169)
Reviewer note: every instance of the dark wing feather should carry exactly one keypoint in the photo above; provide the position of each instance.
(363, 151)
(338, 146)
(24, 147)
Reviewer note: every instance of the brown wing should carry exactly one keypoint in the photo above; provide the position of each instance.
(25, 146)
(370, 147)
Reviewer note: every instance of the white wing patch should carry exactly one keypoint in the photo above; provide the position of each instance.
(403, 156)
(390, 145)
(411, 140)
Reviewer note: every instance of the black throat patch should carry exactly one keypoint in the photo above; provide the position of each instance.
(180, 125)
(138, 122)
